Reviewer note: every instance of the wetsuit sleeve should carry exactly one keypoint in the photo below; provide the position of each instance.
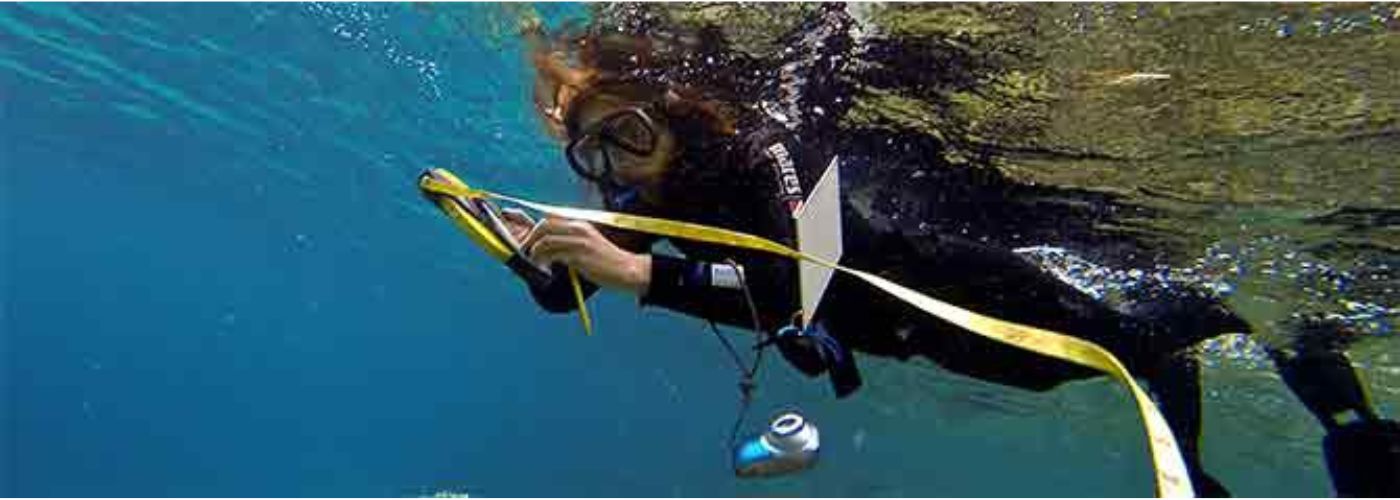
(712, 290)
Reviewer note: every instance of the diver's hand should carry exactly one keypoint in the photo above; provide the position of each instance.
(518, 222)
(579, 245)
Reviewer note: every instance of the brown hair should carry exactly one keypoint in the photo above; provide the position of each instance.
(576, 63)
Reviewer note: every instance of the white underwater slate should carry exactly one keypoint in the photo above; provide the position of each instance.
(819, 234)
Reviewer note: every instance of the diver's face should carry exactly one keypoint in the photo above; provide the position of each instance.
(627, 142)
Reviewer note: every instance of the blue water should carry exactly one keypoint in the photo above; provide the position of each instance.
(219, 280)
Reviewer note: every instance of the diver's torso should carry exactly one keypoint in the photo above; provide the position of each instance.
(747, 194)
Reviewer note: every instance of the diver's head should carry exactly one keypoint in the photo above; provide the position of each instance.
(623, 111)
(620, 133)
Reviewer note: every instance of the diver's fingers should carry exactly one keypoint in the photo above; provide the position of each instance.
(545, 228)
(573, 227)
(517, 216)
(556, 226)
(562, 249)
(517, 222)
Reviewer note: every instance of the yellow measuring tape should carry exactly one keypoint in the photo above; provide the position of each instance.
(1172, 479)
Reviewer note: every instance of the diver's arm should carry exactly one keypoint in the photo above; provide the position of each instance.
(709, 290)
(715, 290)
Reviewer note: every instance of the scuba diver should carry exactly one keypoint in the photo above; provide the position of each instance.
(654, 144)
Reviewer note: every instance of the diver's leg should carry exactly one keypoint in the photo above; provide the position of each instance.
(1176, 385)
(1171, 323)
(1362, 449)
(1327, 385)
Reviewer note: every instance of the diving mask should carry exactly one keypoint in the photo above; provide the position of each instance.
(594, 152)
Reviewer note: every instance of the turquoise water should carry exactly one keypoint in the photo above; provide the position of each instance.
(220, 280)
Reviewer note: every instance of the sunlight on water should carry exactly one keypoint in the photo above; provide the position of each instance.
(1262, 266)
(366, 25)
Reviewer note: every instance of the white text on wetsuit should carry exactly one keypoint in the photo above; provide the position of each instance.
(788, 182)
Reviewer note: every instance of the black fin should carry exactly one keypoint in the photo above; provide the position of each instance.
(1364, 458)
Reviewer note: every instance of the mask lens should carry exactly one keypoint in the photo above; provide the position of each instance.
(633, 133)
(588, 157)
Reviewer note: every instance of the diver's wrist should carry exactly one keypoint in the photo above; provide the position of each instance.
(640, 273)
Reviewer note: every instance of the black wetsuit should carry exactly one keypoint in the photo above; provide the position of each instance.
(742, 189)
(741, 184)
(745, 183)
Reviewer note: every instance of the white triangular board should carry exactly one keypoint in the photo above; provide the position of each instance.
(819, 234)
